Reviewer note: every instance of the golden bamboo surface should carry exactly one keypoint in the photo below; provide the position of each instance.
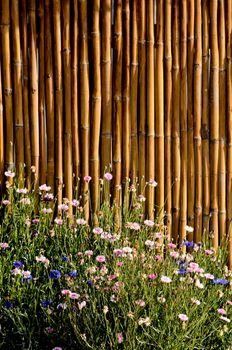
(176, 120)
(150, 104)
(214, 121)
(168, 116)
(42, 141)
(141, 89)
(197, 122)
(95, 109)
(183, 121)
(205, 118)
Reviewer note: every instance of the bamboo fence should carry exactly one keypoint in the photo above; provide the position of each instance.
(141, 88)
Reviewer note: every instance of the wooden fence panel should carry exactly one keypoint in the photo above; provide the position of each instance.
(139, 88)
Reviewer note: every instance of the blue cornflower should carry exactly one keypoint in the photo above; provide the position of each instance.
(220, 281)
(54, 274)
(64, 258)
(8, 305)
(46, 303)
(90, 283)
(73, 274)
(188, 244)
(182, 271)
(17, 264)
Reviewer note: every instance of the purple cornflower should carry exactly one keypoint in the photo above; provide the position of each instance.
(54, 274)
(188, 244)
(220, 281)
(73, 274)
(64, 258)
(17, 264)
(8, 305)
(45, 303)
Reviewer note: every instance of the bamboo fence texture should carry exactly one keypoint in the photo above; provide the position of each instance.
(141, 88)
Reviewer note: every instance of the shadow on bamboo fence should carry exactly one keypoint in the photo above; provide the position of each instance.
(142, 87)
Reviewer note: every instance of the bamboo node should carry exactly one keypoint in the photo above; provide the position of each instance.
(126, 98)
(214, 141)
(159, 136)
(142, 41)
(117, 161)
(8, 92)
(175, 210)
(117, 34)
(85, 127)
(142, 133)
(105, 61)
(134, 64)
(66, 50)
(17, 63)
(96, 97)
(33, 90)
(117, 98)
(222, 211)
(95, 33)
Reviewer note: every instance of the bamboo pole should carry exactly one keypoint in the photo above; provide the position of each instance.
(126, 130)
(17, 92)
(106, 77)
(56, 14)
(168, 116)
(176, 122)
(142, 93)
(183, 120)
(42, 142)
(68, 178)
(74, 89)
(190, 162)
(222, 123)
(84, 99)
(49, 94)
(134, 92)
(150, 103)
(205, 117)
(7, 84)
(26, 116)
(96, 110)
(197, 123)
(229, 127)
(117, 105)
(33, 91)
(214, 130)
(159, 123)
(1, 140)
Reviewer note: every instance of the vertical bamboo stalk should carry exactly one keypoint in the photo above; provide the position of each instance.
(84, 97)
(150, 108)
(134, 92)
(229, 127)
(34, 91)
(197, 123)
(74, 89)
(214, 130)
(1, 140)
(26, 116)
(49, 89)
(18, 99)
(42, 144)
(126, 130)
(106, 77)
(7, 84)
(159, 124)
(168, 115)
(142, 93)
(205, 117)
(56, 11)
(117, 101)
(183, 120)
(190, 162)
(68, 178)
(222, 123)
(176, 122)
(96, 110)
